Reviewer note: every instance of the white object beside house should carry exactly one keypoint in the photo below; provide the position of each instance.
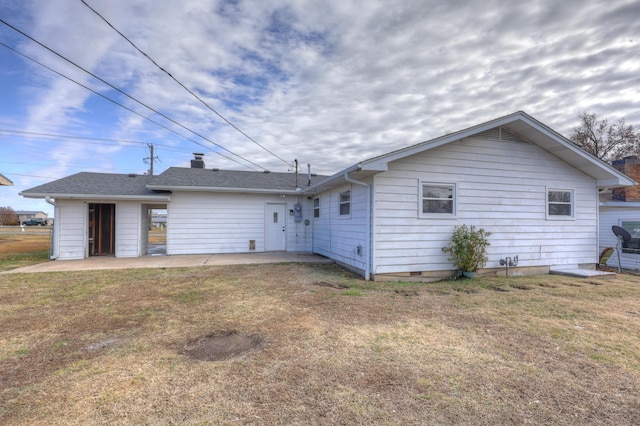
(387, 217)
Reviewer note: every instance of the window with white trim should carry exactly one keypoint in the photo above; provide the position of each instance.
(437, 199)
(316, 207)
(560, 203)
(345, 203)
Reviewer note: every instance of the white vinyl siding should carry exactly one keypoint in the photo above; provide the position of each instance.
(337, 236)
(128, 223)
(207, 223)
(71, 229)
(501, 186)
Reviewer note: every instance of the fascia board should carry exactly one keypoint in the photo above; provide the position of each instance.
(621, 204)
(332, 178)
(97, 197)
(381, 163)
(615, 182)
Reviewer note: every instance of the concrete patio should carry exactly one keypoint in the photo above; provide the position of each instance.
(108, 262)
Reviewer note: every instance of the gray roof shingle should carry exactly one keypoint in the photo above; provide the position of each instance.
(87, 183)
(180, 177)
(109, 184)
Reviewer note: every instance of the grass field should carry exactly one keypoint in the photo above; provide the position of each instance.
(23, 247)
(126, 347)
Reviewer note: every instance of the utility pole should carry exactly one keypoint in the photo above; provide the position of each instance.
(151, 158)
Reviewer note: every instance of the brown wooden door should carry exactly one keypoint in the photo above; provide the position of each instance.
(102, 226)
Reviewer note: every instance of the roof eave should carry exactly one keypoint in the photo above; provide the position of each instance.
(97, 197)
(625, 204)
(615, 181)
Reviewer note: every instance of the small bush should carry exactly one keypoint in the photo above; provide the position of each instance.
(468, 248)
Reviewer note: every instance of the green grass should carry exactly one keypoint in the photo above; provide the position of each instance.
(18, 260)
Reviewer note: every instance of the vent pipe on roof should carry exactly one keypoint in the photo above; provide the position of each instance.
(198, 161)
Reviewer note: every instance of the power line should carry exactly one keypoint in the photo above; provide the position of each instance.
(49, 165)
(32, 134)
(182, 85)
(84, 139)
(39, 177)
(120, 91)
(116, 102)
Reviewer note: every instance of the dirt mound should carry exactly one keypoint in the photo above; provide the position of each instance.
(221, 346)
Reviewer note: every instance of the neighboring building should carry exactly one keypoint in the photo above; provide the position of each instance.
(621, 207)
(4, 181)
(386, 218)
(25, 215)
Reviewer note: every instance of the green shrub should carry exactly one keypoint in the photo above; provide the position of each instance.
(468, 248)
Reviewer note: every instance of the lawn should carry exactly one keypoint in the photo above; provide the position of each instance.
(23, 246)
(309, 344)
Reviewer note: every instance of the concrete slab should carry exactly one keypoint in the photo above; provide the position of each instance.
(582, 273)
(101, 263)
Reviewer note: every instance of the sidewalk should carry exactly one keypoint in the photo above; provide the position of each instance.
(98, 263)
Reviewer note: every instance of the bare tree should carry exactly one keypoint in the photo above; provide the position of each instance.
(606, 141)
(8, 216)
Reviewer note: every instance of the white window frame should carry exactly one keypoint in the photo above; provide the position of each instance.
(316, 208)
(572, 203)
(341, 203)
(454, 200)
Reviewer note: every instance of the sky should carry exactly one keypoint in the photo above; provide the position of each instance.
(255, 85)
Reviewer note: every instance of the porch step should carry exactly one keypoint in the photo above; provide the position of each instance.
(571, 271)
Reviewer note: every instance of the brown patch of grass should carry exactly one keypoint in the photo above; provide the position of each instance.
(23, 249)
(108, 348)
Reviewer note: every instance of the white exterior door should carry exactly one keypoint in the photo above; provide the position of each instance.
(275, 228)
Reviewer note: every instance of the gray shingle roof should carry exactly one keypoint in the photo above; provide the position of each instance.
(179, 177)
(92, 184)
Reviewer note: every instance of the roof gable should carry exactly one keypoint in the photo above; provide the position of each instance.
(516, 127)
(5, 181)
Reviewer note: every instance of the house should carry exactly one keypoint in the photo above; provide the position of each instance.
(25, 215)
(621, 207)
(387, 217)
(4, 181)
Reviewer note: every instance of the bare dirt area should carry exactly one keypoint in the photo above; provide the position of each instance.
(308, 344)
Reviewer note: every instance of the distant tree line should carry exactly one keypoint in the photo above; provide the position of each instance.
(8, 217)
(607, 141)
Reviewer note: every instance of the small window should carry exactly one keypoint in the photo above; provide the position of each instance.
(438, 199)
(316, 207)
(560, 203)
(345, 203)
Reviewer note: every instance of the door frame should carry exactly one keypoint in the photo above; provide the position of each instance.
(282, 210)
(101, 229)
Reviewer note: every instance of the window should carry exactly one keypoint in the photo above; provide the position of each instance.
(316, 207)
(437, 199)
(560, 203)
(345, 203)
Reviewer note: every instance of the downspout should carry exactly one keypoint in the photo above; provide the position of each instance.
(367, 270)
(53, 252)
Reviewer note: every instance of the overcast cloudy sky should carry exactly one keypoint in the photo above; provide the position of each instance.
(327, 82)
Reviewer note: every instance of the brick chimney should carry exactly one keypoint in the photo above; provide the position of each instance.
(198, 161)
(630, 166)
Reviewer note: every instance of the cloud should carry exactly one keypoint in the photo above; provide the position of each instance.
(330, 83)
